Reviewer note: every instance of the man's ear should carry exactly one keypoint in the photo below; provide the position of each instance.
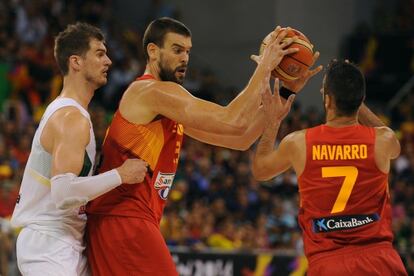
(329, 101)
(153, 51)
(75, 62)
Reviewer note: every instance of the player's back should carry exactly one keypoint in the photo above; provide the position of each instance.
(344, 196)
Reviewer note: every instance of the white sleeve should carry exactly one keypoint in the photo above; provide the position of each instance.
(70, 191)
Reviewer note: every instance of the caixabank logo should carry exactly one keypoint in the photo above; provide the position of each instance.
(329, 224)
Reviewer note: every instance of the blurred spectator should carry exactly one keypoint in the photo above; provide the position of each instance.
(31, 26)
(226, 236)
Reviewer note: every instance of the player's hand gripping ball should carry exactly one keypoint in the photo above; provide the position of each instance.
(294, 65)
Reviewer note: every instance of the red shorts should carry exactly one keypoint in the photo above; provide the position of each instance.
(126, 246)
(375, 260)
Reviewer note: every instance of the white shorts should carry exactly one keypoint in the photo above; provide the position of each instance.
(39, 254)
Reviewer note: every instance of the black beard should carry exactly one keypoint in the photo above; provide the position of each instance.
(169, 75)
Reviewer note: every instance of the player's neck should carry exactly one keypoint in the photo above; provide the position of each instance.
(152, 69)
(334, 120)
(78, 89)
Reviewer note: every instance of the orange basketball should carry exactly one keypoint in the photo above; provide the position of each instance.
(293, 66)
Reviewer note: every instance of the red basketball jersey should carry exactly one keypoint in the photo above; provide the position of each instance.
(159, 144)
(344, 199)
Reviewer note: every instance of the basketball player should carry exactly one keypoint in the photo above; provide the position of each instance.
(57, 180)
(342, 169)
(154, 114)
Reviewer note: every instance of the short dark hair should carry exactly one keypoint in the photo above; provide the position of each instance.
(74, 40)
(157, 29)
(346, 83)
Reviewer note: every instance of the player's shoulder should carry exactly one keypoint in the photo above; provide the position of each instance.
(70, 117)
(385, 132)
(67, 125)
(295, 136)
(68, 113)
(152, 86)
(146, 93)
(386, 139)
(293, 140)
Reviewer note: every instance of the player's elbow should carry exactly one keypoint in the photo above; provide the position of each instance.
(258, 176)
(259, 173)
(60, 192)
(244, 144)
(244, 147)
(239, 147)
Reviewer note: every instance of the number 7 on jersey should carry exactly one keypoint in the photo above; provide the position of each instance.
(350, 173)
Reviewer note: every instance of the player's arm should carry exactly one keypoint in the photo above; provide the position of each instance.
(66, 135)
(173, 101)
(242, 142)
(176, 103)
(254, 130)
(248, 100)
(387, 147)
(368, 118)
(267, 161)
(388, 143)
(69, 132)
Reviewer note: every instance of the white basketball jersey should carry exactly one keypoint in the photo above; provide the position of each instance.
(35, 208)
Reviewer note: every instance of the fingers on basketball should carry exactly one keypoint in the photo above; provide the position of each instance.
(295, 63)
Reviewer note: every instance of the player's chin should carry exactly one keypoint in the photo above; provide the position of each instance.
(102, 81)
(179, 77)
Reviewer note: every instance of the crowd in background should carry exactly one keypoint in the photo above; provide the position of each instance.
(215, 202)
(384, 47)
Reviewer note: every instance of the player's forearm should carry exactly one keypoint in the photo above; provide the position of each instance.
(264, 148)
(267, 141)
(233, 142)
(253, 132)
(245, 141)
(237, 142)
(70, 191)
(368, 118)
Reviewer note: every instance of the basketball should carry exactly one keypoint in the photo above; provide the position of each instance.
(294, 65)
